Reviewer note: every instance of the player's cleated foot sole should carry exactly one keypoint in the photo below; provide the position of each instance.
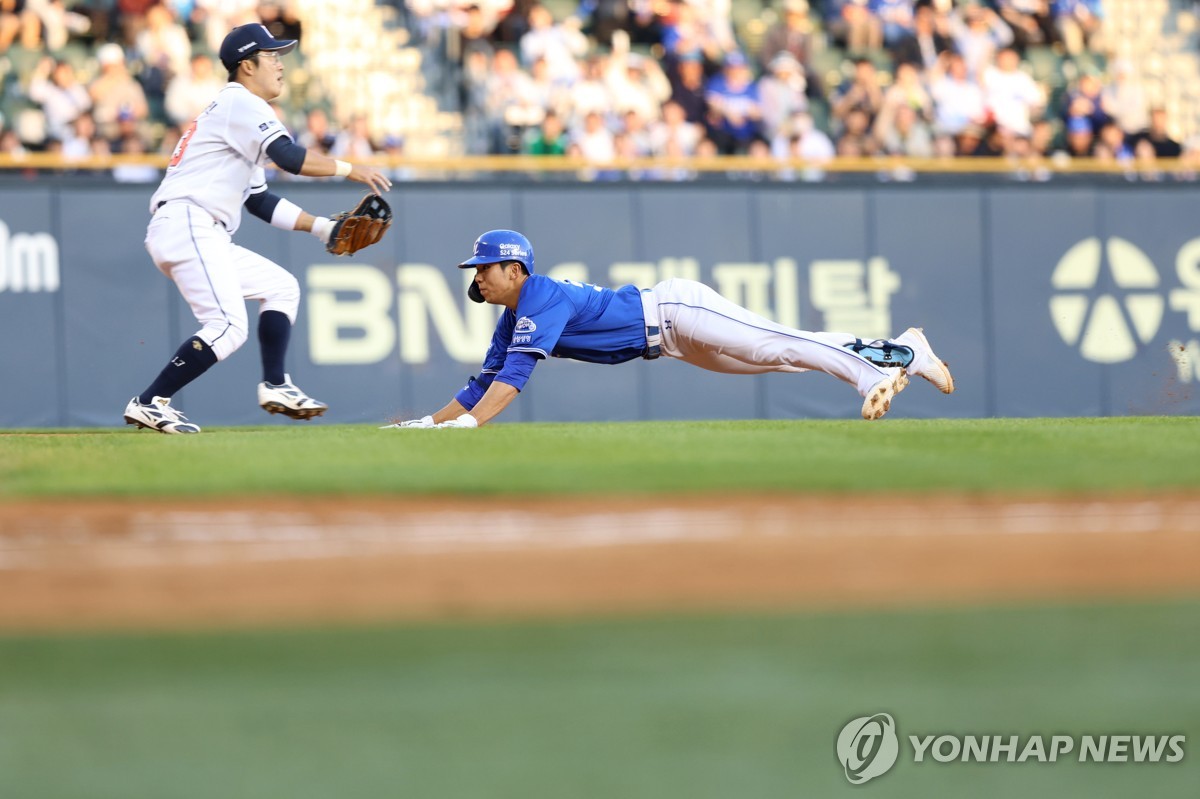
(879, 401)
(293, 413)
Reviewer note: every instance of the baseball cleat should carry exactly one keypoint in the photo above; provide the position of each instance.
(925, 363)
(158, 415)
(879, 399)
(287, 399)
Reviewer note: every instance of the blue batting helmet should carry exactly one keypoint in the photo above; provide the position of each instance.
(496, 246)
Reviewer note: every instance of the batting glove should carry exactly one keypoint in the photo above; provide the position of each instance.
(423, 422)
(466, 420)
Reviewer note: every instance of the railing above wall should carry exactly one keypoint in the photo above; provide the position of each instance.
(466, 168)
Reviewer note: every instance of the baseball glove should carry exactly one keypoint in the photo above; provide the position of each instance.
(361, 227)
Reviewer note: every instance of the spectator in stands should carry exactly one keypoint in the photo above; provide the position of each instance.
(57, 22)
(473, 102)
(792, 34)
(551, 138)
(687, 87)
(1158, 137)
(1012, 96)
(603, 18)
(907, 89)
(130, 16)
(1111, 146)
(904, 132)
(317, 134)
(590, 92)
(18, 22)
(280, 18)
(978, 34)
(475, 34)
(163, 44)
(1126, 99)
(929, 39)
(354, 143)
(55, 87)
(685, 32)
(595, 141)
(896, 17)
(1086, 99)
(191, 93)
(1079, 24)
(512, 103)
(856, 140)
(852, 26)
(1030, 21)
(77, 143)
(1079, 137)
(114, 92)
(957, 98)
(861, 93)
(734, 107)
(674, 133)
(546, 94)
(637, 135)
(783, 92)
(559, 44)
(640, 86)
(801, 138)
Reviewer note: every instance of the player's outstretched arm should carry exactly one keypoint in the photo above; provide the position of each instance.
(318, 165)
(497, 398)
(291, 157)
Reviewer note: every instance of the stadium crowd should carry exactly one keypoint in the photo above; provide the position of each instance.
(617, 78)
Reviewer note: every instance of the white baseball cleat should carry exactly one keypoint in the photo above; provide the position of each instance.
(289, 400)
(158, 415)
(925, 363)
(879, 399)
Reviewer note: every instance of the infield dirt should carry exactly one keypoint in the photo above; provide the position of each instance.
(164, 565)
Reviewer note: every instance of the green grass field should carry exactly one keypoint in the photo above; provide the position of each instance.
(705, 706)
(995, 456)
(701, 707)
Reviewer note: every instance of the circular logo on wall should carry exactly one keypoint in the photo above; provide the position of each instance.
(1106, 327)
(867, 747)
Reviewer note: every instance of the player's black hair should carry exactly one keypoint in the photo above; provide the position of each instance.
(233, 72)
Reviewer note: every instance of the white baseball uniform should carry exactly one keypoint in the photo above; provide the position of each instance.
(217, 164)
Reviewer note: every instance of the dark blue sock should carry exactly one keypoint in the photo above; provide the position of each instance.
(274, 333)
(191, 360)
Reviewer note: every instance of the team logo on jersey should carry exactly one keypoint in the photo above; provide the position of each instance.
(525, 325)
(265, 125)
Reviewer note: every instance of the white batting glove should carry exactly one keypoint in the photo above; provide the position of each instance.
(464, 421)
(423, 422)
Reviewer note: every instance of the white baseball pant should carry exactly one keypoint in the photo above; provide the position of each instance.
(216, 276)
(703, 328)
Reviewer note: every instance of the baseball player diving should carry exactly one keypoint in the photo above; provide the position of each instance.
(676, 319)
(215, 171)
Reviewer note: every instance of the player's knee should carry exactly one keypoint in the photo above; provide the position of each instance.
(285, 299)
(226, 337)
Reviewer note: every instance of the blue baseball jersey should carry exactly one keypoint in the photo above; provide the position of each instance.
(565, 319)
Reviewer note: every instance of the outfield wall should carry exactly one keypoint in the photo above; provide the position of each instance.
(1046, 300)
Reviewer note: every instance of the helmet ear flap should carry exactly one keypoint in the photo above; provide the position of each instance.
(474, 293)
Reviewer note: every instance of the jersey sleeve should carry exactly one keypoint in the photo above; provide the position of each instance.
(252, 126)
(541, 318)
(497, 351)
